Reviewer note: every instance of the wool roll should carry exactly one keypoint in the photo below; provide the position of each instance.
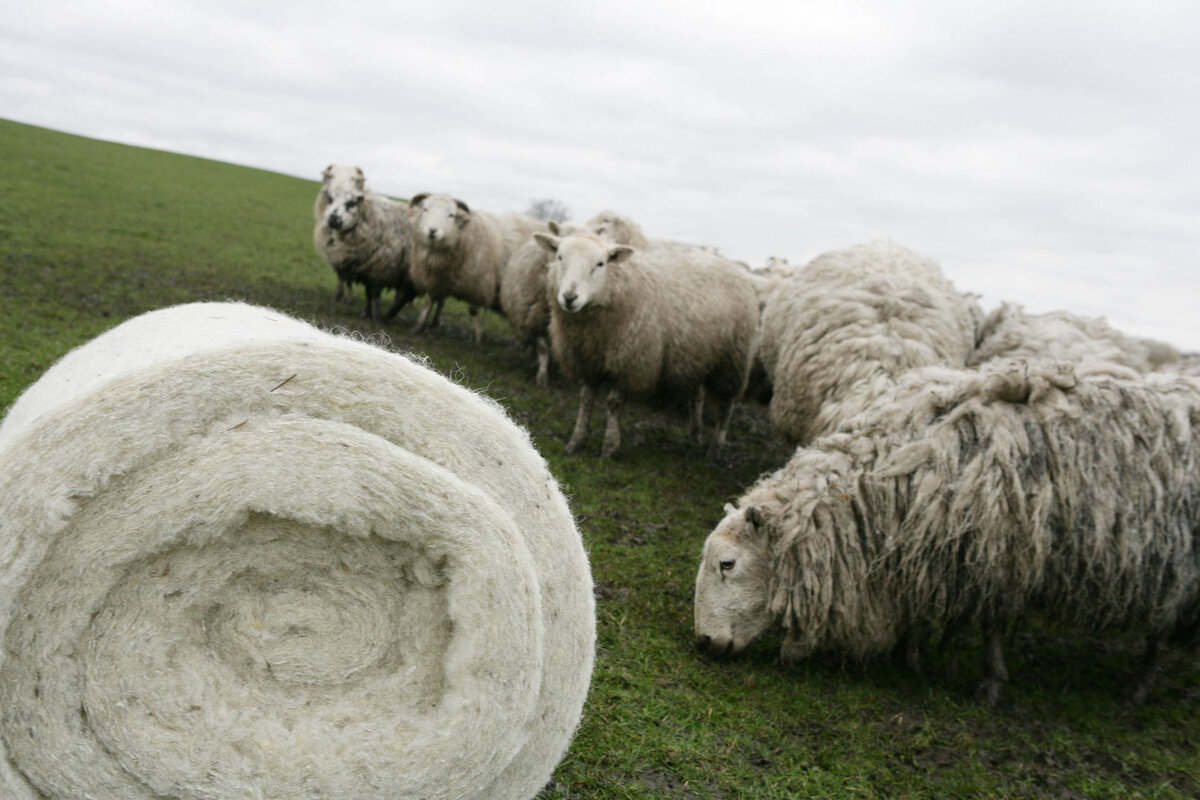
(244, 558)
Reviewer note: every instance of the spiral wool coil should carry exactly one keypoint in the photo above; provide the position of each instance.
(244, 558)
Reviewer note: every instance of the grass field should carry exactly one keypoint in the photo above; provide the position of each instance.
(92, 233)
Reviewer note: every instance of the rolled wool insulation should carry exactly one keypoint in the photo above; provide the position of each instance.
(244, 558)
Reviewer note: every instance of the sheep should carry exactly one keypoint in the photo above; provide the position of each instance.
(523, 298)
(621, 229)
(645, 321)
(972, 497)
(364, 237)
(835, 335)
(1010, 332)
(461, 253)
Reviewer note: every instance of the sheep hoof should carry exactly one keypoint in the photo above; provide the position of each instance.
(542, 380)
(572, 447)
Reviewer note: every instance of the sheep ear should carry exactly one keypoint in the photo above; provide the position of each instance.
(325, 173)
(618, 253)
(553, 226)
(729, 509)
(754, 517)
(548, 241)
(417, 198)
(466, 208)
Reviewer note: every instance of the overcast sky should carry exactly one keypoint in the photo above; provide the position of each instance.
(1043, 152)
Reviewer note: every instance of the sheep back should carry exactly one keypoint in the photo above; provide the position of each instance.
(836, 334)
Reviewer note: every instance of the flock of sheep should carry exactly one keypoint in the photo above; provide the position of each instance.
(956, 469)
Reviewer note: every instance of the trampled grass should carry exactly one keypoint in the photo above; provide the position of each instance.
(92, 233)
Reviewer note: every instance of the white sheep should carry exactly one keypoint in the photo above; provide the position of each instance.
(1091, 343)
(619, 228)
(364, 238)
(462, 253)
(836, 334)
(649, 321)
(970, 498)
(524, 300)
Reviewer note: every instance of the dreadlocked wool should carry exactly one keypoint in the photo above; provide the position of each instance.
(971, 498)
(243, 558)
(836, 335)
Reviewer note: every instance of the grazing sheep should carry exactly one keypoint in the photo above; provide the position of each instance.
(972, 498)
(364, 237)
(524, 300)
(647, 321)
(461, 253)
(836, 334)
(1091, 343)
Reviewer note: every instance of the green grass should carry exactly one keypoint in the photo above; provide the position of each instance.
(92, 233)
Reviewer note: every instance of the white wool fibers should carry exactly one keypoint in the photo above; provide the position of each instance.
(242, 558)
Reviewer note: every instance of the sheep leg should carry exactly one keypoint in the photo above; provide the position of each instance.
(476, 323)
(404, 296)
(587, 398)
(373, 293)
(343, 291)
(721, 431)
(543, 361)
(423, 320)
(612, 426)
(696, 429)
(995, 671)
(1152, 660)
(437, 312)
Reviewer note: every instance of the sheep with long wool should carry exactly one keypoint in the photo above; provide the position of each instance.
(460, 252)
(837, 334)
(364, 237)
(972, 498)
(648, 321)
(1091, 343)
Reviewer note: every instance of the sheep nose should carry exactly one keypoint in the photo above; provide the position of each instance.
(568, 300)
(432, 234)
(335, 222)
(703, 642)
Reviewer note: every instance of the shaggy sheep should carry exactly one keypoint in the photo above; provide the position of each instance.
(523, 297)
(836, 334)
(461, 253)
(364, 237)
(649, 321)
(1091, 343)
(971, 498)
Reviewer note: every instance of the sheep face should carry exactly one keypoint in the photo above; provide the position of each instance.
(731, 587)
(579, 269)
(344, 191)
(438, 219)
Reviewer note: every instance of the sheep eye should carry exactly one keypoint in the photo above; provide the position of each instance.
(727, 565)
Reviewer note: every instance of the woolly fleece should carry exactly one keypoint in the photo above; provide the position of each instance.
(837, 334)
(243, 558)
(973, 497)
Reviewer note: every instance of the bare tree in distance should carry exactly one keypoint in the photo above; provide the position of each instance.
(549, 210)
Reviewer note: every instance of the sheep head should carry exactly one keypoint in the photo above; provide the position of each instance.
(344, 190)
(579, 268)
(438, 219)
(732, 585)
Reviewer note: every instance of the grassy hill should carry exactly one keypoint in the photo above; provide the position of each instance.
(92, 233)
